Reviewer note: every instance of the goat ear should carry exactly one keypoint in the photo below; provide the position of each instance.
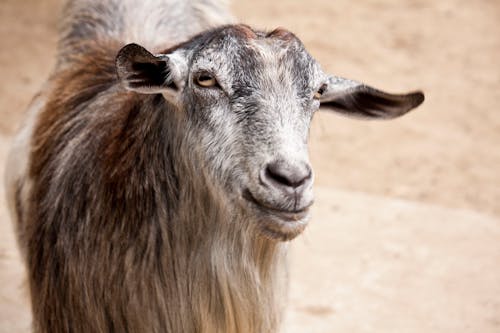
(142, 72)
(358, 100)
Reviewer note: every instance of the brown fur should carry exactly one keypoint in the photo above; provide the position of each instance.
(282, 33)
(245, 31)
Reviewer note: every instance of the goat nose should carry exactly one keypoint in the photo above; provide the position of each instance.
(287, 176)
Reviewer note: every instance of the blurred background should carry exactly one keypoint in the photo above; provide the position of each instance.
(405, 235)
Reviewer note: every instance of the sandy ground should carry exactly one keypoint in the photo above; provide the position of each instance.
(406, 229)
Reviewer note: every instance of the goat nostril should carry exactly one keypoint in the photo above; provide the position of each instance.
(287, 175)
(272, 174)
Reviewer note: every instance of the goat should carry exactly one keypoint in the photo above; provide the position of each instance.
(154, 189)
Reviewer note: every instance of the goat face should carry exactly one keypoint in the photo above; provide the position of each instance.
(249, 98)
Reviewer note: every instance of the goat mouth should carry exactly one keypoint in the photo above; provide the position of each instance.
(278, 223)
(291, 215)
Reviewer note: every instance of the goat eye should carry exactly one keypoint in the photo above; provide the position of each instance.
(319, 92)
(206, 80)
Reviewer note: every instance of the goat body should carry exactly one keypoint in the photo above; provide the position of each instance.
(133, 210)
